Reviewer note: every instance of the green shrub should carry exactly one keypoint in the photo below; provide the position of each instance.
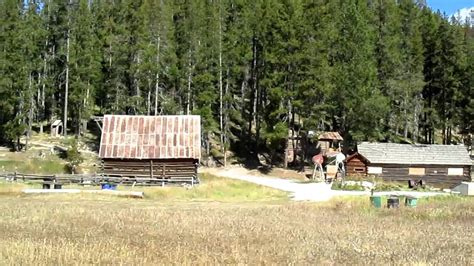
(357, 178)
(387, 186)
(73, 156)
(342, 186)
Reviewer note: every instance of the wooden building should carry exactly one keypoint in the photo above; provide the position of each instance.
(154, 147)
(56, 128)
(437, 165)
(330, 141)
(305, 146)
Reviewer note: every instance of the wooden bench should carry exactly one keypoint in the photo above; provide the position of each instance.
(51, 183)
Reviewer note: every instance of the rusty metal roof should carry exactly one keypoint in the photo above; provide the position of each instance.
(330, 136)
(151, 137)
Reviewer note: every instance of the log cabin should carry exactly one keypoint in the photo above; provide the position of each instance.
(438, 165)
(162, 148)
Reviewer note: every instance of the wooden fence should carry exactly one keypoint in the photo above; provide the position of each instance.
(97, 179)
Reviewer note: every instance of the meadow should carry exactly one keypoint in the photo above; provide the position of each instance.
(228, 222)
(29, 162)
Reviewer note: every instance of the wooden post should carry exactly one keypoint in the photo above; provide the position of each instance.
(151, 168)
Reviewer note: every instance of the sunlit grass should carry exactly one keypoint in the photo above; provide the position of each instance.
(216, 189)
(43, 230)
(211, 189)
(33, 166)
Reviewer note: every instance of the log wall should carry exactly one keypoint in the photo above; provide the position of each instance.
(434, 175)
(154, 168)
(355, 166)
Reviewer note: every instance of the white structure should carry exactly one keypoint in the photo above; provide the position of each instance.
(465, 188)
(56, 128)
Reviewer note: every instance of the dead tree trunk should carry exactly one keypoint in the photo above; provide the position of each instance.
(243, 92)
(66, 92)
(406, 120)
(157, 76)
(30, 111)
(43, 78)
(287, 139)
(253, 107)
(41, 96)
(137, 83)
(221, 111)
(148, 103)
(226, 118)
(188, 97)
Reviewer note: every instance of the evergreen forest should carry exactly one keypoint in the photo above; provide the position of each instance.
(256, 71)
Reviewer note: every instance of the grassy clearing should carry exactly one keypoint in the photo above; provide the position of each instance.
(212, 188)
(30, 162)
(46, 230)
(24, 163)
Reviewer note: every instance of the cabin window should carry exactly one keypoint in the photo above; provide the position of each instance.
(359, 169)
(416, 171)
(374, 170)
(455, 171)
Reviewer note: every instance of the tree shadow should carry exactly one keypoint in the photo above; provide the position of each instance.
(93, 143)
(61, 153)
(246, 156)
(250, 164)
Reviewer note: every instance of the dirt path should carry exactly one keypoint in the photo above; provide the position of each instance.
(302, 191)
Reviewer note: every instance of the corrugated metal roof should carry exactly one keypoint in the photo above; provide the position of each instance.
(392, 153)
(330, 136)
(151, 137)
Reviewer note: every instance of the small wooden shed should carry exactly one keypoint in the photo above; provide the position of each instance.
(159, 147)
(56, 128)
(438, 165)
(330, 141)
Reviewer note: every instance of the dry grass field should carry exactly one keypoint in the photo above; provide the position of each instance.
(206, 229)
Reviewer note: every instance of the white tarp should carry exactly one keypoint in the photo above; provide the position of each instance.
(455, 171)
(374, 170)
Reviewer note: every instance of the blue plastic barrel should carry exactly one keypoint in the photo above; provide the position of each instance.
(109, 186)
